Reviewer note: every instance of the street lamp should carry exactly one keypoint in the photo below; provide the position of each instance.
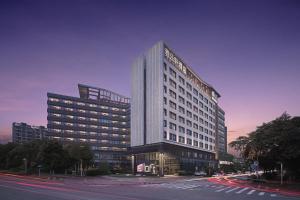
(281, 172)
(25, 165)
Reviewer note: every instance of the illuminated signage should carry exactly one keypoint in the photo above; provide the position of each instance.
(175, 61)
(140, 167)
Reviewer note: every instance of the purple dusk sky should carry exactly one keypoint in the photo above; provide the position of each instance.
(248, 50)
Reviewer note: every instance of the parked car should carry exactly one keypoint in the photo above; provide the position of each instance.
(200, 173)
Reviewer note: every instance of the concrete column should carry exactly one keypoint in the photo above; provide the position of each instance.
(132, 164)
(161, 164)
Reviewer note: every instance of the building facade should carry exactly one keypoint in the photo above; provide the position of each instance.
(173, 120)
(221, 132)
(99, 118)
(22, 132)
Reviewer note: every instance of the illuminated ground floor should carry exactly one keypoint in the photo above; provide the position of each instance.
(165, 158)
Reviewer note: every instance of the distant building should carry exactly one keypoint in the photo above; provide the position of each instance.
(173, 114)
(221, 131)
(99, 118)
(22, 132)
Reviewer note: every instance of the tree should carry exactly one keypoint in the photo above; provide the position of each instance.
(275, 142)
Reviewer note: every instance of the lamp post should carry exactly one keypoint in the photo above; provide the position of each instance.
(281, 173)
(25, 165)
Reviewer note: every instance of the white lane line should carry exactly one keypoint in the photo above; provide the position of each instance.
(219, 187)
(261, 193)
(273, 195)
(220, 190)
(232, 189)
(242, 190)
(251, 192)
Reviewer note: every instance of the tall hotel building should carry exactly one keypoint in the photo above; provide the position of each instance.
(99, 118)
(173, 115)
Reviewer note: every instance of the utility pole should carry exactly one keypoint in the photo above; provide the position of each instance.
(25, 165)
(81, 167)
(281, 173)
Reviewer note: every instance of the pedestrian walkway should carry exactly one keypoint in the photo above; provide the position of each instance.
(199, 185)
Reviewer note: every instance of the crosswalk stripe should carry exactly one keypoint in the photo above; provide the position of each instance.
(261, 193)
(220, 190)
(232, 189)
(242, 190)
(273, 195)
(219, 187)
(251, 191)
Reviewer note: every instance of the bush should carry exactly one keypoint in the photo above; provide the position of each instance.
(103, 169)
(97, 172)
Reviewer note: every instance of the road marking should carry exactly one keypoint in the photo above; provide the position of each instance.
(232, 189)
(242, 190)
(261, 193)
(251, 191)
(220, 190)
(219, 187)
(273, 195)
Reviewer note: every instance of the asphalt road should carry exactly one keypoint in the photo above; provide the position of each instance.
(23, 188)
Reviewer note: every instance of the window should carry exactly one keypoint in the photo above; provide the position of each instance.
(181, 120)
(181, 100)
(181, 90)
(172, 104)
(195, 117)
(172, 115)
(201, 112)
(172, 126)
(195, 100)
(195, 143)
(196, 135)
(165, 112)
(189, 123)
(206, 146)
(181, 110)
(200, 96)
(201, 145)
(165, 66)
(195, 109)
(189, 86)
(189, 114)
(172, 94)
(172, 72)
(189, 132)
(189, 141)
(165, 123)
(201, 136)
(181, 80)
(165, 100)
(181, 129)
(165, 78)
(181, 139)
(172, 137)
(165, 134)
(188, 95)
(165, 89)
(189, 104)
(206, 108)
(205, 100)
(201, 104)
(201, 128)
(195, 92)
(206, 138)
(195, 126)
(172, 83)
